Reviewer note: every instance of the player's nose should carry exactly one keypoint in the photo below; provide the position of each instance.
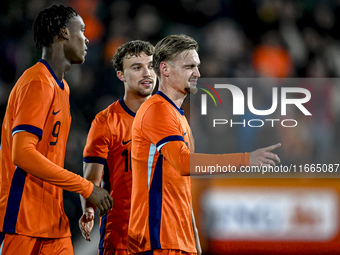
(147, 72)
(197, 72)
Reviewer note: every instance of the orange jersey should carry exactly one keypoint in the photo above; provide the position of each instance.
(38, 104)
(109, 143)
(161, 198)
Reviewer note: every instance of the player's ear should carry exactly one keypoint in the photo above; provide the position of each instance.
(164, 69)
(64, 33)
(121, 76)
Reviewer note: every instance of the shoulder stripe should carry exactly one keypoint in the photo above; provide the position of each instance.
(28, 128)
(14, 199)
(94, 160)
(167, 139)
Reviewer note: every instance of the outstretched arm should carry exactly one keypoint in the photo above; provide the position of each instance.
(180, 157)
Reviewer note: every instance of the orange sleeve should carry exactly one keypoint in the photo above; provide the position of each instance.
(38, 96)
(177, 153)
(26, 157)
(98, 141)
(181, 159)
(159, 123)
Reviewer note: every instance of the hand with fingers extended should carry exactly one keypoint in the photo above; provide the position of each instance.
(102, 199)
(86, 223)
(264, 156)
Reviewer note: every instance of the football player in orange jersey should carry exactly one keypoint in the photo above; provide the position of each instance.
(161, 218)
(34, 135)
(107, 154)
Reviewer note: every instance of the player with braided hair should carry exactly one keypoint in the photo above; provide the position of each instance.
(34, 135)
(48, 23)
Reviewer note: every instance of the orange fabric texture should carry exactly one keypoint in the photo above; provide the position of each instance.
(38, 118)
(25, 245)
(26, 156)
(162, 150)
(112, 252)
(186, 162)
(161, 197)
(109, 143)
(168, 252)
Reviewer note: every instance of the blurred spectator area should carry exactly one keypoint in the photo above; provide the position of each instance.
(244, 38)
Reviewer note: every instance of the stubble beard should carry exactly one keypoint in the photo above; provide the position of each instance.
(145, 93)
(191, 90)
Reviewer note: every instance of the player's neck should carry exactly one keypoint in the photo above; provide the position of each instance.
(133, 102)
(175, 96)
(57, 62)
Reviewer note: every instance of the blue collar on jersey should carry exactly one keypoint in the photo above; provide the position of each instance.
(127, 109)
(60, 83)
(181, 111)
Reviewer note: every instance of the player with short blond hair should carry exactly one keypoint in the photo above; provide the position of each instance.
(161, 219)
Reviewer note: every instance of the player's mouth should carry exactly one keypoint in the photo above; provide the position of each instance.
(193, 82)
(146, 83)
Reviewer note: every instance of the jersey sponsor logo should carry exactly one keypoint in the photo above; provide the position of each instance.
(55, 113)
(126, 142)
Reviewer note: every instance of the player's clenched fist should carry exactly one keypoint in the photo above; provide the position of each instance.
(101, 198)
(264, 156)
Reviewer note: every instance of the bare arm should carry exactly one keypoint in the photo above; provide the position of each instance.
(92, 172)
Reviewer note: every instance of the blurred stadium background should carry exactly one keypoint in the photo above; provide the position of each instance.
(238, 38)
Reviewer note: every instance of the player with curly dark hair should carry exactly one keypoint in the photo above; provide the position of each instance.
(107, 154)
(34, 135)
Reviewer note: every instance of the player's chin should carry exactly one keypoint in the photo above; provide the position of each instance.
(145, 92)
(79, 60)
(191, 90)
(82, 60)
